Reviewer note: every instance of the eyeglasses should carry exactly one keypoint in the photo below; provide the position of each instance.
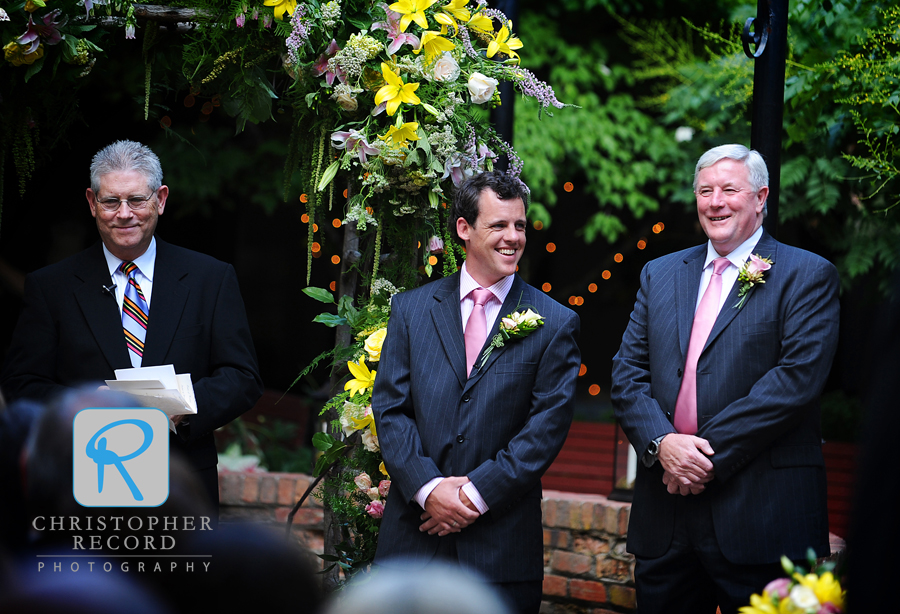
(135, 203)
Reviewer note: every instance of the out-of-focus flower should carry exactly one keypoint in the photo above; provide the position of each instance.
(370, 440)
(435, 245)
(683, 133)
(15, 54)
(373, 344)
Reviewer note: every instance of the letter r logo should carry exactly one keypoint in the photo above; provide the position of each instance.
(120, 457)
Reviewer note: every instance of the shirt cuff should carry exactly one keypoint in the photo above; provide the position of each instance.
(422, 494)
(475, 497)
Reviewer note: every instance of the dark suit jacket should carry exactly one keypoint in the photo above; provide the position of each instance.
(70, 333)
(502, 427)
(758, 382)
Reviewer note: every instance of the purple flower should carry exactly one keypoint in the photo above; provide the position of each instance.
(239, 20)
(375, 509)
(353, 140)
(46, 31)
(395, 34)
(436, 245)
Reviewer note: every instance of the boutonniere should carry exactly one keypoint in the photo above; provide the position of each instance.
(517, 325)
(751, 274)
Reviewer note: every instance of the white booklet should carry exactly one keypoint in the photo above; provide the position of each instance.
(158, 387)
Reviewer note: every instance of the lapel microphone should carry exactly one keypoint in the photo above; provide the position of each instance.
(109, 289)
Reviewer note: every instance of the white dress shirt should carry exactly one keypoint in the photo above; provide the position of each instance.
(737, 258)
(146, 264)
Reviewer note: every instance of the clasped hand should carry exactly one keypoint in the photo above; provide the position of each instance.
(687, 468)
(448, 509)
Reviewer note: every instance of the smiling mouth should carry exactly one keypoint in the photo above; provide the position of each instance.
(719, 219)
(507, 252)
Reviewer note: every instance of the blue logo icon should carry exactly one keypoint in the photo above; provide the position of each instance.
(134, 444)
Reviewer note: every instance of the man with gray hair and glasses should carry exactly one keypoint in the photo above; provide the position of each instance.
(133, 300)
(717, 386)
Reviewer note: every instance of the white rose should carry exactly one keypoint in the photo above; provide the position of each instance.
(804, 597)
(346, 100)
(370, 441)
(373, 493)
(446, 70)
(363, 481)
(481, 87)
(531, 318)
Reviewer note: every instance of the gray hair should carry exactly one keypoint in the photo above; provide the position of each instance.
(126, 156)
(756, 166)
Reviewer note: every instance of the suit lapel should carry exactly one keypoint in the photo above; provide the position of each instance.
(166, 304)
(687, 284)
(100, 309)
(766, 247)
(448, 323)
(518, 297)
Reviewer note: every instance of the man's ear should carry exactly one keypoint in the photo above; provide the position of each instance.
(462, 228)
(91, 198)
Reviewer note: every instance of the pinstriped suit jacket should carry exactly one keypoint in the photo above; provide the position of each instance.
(758, 382)
(502, 427)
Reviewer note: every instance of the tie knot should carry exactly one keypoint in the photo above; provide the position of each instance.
(481, 296)
(719, 265)
(128, 268)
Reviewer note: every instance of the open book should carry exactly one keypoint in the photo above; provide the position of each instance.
(158, 387)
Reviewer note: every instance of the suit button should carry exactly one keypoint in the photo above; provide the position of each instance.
(466, 398)
(460, 439)
(680, 372)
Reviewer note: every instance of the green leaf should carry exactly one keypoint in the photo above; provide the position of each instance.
(323, 441)
(330, 320)
(320, 294)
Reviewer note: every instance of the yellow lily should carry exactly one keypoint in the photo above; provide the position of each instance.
(383, 470)
(362, 377)
(433, 44)
(395, 91)
(759, 605)
(412, 10)
(504, 42)
(481, 23)
(451, 12)
(407, 132)
(367, 421)
(282, 7)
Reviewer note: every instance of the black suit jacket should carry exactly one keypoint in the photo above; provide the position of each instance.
(758, 383)
(70, 333)
(501, 427)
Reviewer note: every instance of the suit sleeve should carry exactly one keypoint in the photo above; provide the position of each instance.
(395, 417)
(640, 415)
(233, 385)
(518, 467)
(782, 396)
(32, 356)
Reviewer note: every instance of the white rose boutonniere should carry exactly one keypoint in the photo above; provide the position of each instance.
(751, 274)
(517, 325)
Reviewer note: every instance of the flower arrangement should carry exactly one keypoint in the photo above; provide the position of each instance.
(816, 592)
(751, 274)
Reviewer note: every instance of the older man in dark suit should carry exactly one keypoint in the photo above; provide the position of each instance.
(716, 385)
(91, 314)
(466, 433)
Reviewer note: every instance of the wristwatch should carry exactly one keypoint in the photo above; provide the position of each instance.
(653, 450)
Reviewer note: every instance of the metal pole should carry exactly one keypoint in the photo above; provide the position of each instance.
(770, 38)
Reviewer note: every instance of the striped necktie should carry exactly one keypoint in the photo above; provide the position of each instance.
(135, 314)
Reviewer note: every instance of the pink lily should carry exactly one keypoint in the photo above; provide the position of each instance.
(395, 34)
(47, 31)
(321, 65)
(455, 168)
(240, 19)
(353, 140)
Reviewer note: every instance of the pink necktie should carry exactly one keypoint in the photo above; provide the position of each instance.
(476, 327)
(686, 404)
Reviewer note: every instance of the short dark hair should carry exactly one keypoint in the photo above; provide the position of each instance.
(465, 200)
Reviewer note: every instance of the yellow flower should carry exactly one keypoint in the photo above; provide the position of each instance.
(407, 132)
(383, 470)
(362, 377)
(451, 12)
(481, 23)
(282, 7)
(504, 43)
(375, 341)
(826, 588)
(759, 605)
(367, 421)
(412, 10)
(395, 91)
(433, 44)
(14, 54)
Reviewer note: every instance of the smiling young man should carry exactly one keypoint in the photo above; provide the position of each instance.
(716, 384)
(466, 437)
(134, 300)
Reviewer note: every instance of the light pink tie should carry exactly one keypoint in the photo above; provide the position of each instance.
(476, 327)
(686, 404)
